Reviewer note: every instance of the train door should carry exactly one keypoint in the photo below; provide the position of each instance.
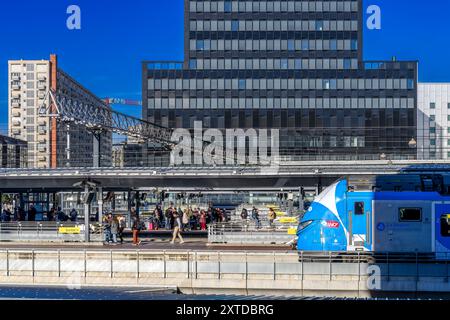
(359, 210)
(442, 230)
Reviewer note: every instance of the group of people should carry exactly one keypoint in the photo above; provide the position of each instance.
(271, 216)
(19, 214)
(190, 219)
(113, 227)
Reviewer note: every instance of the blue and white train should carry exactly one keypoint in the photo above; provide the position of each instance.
(397, 213)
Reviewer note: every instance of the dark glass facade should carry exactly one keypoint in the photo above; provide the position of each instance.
(13, 153)
(292, 65)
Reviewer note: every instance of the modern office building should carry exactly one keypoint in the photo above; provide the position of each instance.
(51, 143)
(433, 121)
(293, 65)
(128, 155)
(13, 153)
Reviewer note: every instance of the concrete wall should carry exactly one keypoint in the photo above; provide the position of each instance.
(214, 272)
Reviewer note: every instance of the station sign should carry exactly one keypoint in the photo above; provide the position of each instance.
(69, 230)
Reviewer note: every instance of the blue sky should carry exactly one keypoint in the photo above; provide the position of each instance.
(105, 56)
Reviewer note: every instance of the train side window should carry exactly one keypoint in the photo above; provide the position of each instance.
(359, 208)
(445, 225)
(410, 214)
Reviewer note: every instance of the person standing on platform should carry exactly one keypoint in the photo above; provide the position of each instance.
(203, 220)
(136, 228)
(122, 226)
(73, 215)
(114, 229)
(32, 213)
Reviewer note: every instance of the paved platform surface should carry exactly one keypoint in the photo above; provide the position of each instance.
(153, 245)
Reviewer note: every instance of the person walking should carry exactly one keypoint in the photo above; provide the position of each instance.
(271, 216)
(136, 228)
(122, 225)
(114, 229)
(177, 229)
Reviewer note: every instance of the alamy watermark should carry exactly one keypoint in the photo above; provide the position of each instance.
(73, 21)
(225, 147)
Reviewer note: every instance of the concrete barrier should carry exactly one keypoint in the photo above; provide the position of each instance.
(268, 273)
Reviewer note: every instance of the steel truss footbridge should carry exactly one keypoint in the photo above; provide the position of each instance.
(287, 176)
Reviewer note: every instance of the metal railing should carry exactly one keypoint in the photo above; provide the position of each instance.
(251, 232)
(47, 231)
(402, 268)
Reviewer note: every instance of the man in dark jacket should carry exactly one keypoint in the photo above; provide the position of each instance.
(32, 213)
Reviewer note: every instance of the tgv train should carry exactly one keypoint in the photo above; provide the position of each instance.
(395, 213)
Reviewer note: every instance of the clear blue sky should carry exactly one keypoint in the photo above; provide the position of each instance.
(105, 56)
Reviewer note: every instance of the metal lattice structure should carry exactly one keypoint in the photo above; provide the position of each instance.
(101, 117)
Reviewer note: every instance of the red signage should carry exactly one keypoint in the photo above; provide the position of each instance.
(330, 224)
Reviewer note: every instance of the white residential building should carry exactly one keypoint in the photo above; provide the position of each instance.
(50, 144)
(433, 121)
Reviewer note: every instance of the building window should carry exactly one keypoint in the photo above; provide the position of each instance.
(227, 6)
(200, 45)
(291, 45)
(432, 130)
(445, 225)
(319, 25)
(410, 214)
(433, 117)
(347, 64)
(234, 25)
(432, 142)
(410, 84)
(359, 208)
(193, 64)
(242, 85)
(432, 105)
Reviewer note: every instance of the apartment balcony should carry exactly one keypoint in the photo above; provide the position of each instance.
(41, 95)
(42, 159)
(15, 78)
(42, 148)
(42, 122)
(42, 86)
(15, 87)
(16, 132)
(15, 104)
(16, 122)
(42, 77)
(16, 114)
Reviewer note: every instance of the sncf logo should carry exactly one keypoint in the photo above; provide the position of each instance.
(330, 224)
